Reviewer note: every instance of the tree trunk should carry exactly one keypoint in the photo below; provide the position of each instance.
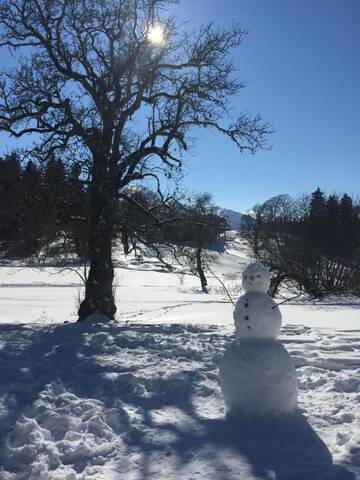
(99, 297)
(125, 241)
(275, 284)
(200, 270)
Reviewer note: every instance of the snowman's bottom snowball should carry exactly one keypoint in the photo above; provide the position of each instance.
(257, 377)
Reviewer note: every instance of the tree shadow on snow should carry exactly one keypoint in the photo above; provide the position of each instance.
(107, 362)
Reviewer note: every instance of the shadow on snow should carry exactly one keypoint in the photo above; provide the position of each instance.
(176, 368)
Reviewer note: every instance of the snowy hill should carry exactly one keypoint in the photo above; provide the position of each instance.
(233, 217)
(139, 398)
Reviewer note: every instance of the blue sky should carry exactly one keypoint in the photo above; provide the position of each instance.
(302, 63)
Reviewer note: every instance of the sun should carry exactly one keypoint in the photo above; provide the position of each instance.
(156, 34)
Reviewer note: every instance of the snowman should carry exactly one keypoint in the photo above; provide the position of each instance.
(257, 376)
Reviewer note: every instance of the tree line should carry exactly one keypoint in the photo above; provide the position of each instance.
(312, 241)
(44, 212)
(39, 205)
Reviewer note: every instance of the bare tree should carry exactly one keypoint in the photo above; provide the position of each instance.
(201, 228)
(121, 85)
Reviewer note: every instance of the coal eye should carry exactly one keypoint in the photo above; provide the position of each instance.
(258, 276)
(245, 276)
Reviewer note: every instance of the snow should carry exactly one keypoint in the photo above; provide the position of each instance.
(257, 377)
(140, 398)
(234, 218)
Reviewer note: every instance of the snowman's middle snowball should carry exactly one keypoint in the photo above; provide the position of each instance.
(257, 315)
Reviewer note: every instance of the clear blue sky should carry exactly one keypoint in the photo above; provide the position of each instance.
(301, 60)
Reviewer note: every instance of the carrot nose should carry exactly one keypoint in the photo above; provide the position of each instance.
(252, 278)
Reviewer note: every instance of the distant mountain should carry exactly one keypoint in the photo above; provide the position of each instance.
(233, 218)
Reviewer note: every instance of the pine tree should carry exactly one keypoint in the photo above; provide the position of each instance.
(74, 211)
(30, 235)
(316, 231)
(332, 227)
(52, 196)
(318, 207)
(347, 226)
(10, 174)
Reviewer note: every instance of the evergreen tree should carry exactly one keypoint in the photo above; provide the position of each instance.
(332, 227)
(52, 197)
(74, 211)
(317, 207)
(315, 235)
(10, 174)
(347, 226)
(31, 220)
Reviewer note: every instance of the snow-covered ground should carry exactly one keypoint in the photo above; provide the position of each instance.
(139, 398)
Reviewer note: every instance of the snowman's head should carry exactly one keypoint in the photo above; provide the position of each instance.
(256, 278)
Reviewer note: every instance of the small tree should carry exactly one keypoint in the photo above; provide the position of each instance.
(92, 74)
(202, 228)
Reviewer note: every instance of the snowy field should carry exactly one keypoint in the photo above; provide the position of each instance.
(139, 398)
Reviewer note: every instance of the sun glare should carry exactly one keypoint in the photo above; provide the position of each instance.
(156, 34)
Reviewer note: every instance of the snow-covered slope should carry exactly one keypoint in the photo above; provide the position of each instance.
(139, 398)
(233, 217)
